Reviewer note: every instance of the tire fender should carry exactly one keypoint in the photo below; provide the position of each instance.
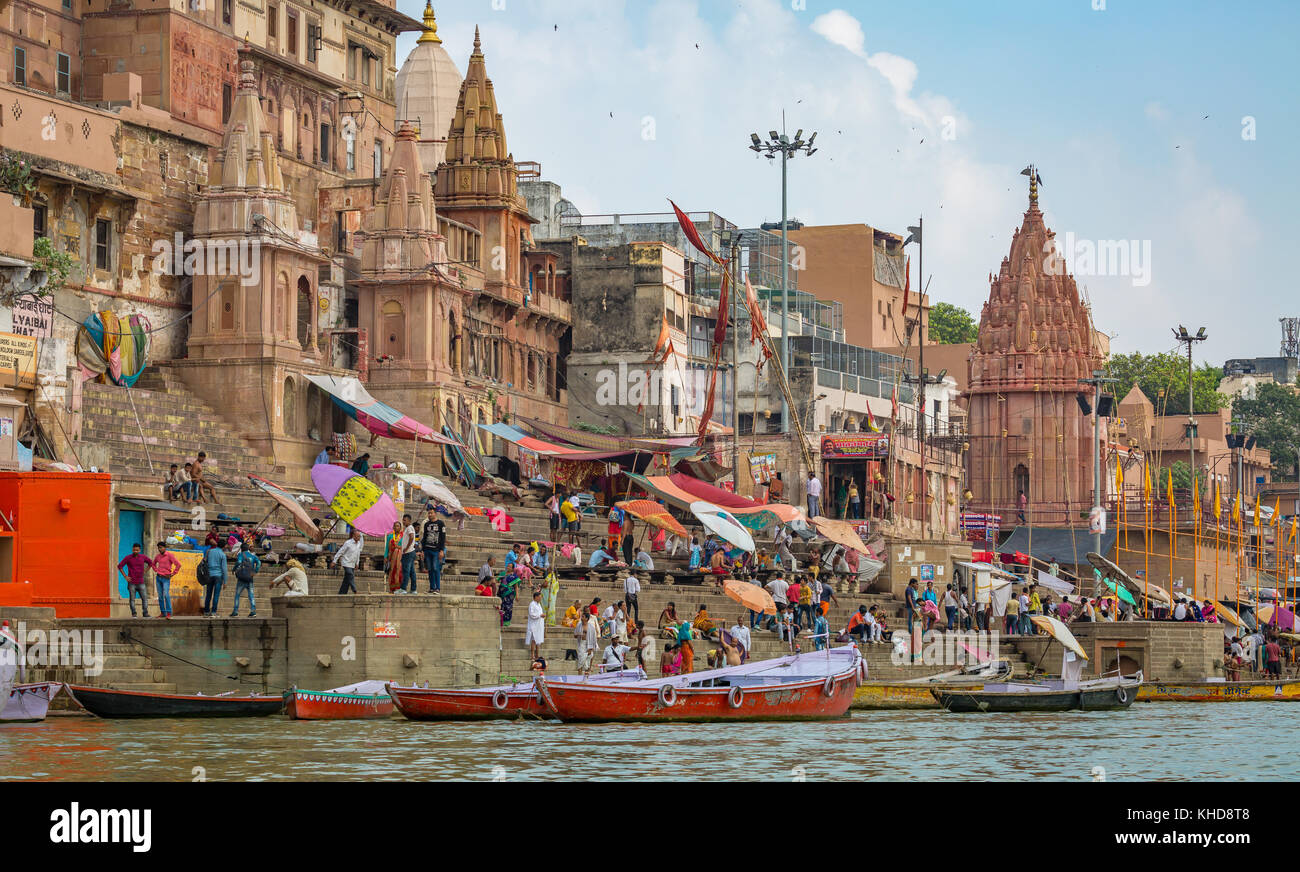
(500, 700)
(736, 697)
(667, 696)
(829, 687)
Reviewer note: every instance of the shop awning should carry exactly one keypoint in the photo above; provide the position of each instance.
(379, 418)
(605, 442)
(544, 448)
(156, 505)
(682, 490)
(1068, 547)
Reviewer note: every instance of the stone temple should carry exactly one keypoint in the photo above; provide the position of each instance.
(1036, 340)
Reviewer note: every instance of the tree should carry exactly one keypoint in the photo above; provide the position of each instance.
(950, 325)
(1167, 372)
(1273, 418)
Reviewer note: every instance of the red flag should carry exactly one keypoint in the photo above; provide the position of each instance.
(907, 288)
(688, 227)
(894, 403)
(757, 324)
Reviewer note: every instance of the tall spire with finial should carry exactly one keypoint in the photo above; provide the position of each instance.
(430, 25)
(478, 45)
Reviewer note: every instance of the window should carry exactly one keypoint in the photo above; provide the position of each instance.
(103, 235)
(379, 159)
(227, 11)
(313, 42)
(291, 32)
(67, 4)
(325, 143)
(63, 80)
(39, 215)
(20, 66)
(365, 66)
(226, 100)
(273, 21)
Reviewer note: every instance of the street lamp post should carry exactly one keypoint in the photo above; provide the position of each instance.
(1189, 340)
(1097, 381)
(780, 143)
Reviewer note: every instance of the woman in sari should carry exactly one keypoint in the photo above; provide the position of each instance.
(573, 615)
(507, 590)
(550, 596)
(393, 557)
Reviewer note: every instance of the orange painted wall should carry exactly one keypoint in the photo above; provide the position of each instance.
(63, 551)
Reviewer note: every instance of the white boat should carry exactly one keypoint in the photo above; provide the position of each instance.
(29, 703)
(8, 665)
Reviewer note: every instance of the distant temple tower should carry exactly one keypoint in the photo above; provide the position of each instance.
(428, 86)
(1036, 340)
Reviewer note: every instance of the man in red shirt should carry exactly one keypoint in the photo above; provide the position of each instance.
(1273, 658)
(132, 568)
(165, 565)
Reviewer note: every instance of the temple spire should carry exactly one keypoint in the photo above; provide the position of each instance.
(430, 25)
(1034, 182)
(478, 45)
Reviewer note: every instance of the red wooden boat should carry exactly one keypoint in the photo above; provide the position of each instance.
(814, 686)
(365, 701)
(489, 703)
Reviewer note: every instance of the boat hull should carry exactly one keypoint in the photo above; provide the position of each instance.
(799, 700)
(307, 705)
(1099, 699)
(29, 703)
(106, 703)
(477, 704)
(1221, 691)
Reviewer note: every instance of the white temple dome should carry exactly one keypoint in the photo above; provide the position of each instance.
(428, 88)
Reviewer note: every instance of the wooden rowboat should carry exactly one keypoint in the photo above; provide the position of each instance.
(1221, 691)
(915, 693)
(488, 703)
(365, 701)
(1046, 696)
(800, 688)
(107, 703)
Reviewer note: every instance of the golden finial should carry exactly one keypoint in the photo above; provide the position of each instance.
(430, 25)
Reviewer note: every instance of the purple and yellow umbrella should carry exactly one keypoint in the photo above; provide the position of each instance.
(306, 525)
(355, 499)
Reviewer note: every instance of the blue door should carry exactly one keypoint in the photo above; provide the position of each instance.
(130, 530)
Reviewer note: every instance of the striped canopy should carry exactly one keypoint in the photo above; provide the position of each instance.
(379, 418)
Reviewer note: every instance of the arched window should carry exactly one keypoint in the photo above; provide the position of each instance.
(226, 307)
(306, 311)
(1021, 482)
(394, 330)
(280, 319)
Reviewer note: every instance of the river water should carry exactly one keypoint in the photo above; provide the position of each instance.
(1149, 742)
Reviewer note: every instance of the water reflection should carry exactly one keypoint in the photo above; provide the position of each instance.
(1149, 742)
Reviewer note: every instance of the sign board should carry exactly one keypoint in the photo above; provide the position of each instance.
(862, 447)
(762, 467)
(927, 572)
(33, 317)
(17, 360)
(386, 629)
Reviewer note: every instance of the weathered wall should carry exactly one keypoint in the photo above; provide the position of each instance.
(1164, 651)
(445, 640)
(906, 557)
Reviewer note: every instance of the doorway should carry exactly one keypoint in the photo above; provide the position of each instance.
(130, 531)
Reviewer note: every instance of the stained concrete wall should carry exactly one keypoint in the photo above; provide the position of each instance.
(1163, 651)
(446, 640)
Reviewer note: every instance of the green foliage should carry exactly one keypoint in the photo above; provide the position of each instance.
(602, 429)
(57, 265)
(1273, 417)
(16, 176)
(1182, 478)
(1167, 372)
(950, 325)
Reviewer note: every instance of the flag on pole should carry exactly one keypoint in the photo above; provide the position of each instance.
(1196, 497)
(894, 403)
(1277, 513)
(1119, 478)
(871, 421)
(1169, 489)
(1218, 508)
(1236, 508)
(1146, 484)
(1293, 526)
(1257, 516)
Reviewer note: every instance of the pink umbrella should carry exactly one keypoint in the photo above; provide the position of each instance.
(355, 499)
(1279, 616)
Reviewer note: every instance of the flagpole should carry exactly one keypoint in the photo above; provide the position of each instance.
(1146, 535)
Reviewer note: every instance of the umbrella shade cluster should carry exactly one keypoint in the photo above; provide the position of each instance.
(841, 533)
(287, 502)
(723, 524)
(355, 499)
(654, 514)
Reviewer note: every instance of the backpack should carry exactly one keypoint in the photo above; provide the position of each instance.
(201, 572)
(246, 569)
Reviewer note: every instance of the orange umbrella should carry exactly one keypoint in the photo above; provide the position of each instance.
(841, 533)
(655, 515)
(751, 596)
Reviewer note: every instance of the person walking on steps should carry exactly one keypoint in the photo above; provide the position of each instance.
(246, 566)
(349, 556)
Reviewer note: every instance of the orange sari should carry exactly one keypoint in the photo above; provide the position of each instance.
(393, 555)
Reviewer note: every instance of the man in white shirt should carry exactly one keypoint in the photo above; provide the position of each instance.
(408, 544)
(536, 625)
(777, 588)
(740, 632)
(813, 490)
(631, 588)
(585, 633)
(1180, 611)
(348, 556)
(1025, 623)
(615, 656)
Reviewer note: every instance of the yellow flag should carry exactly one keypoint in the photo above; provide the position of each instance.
(1196, 497)
(1236, 508)
(1257, 509)
(1119, 477)
(1146, 484)
(1277, 513)
(1293, 526)
(1218, 508)
(1169, 490)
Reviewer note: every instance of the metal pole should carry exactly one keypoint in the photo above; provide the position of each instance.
(1096, 456)
(785, 291)
(920, 362)
(735, 369)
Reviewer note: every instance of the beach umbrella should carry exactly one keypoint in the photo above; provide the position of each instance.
(1059, 632)
(841, 533)
(723, 524)
(355, 499)
(291, 505)
(1121, 592)
(435, 490)
(654, 514)
(751, 596)
(1226, 614)
(1278, 616)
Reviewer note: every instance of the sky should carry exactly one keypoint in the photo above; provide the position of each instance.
(1161, 129)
